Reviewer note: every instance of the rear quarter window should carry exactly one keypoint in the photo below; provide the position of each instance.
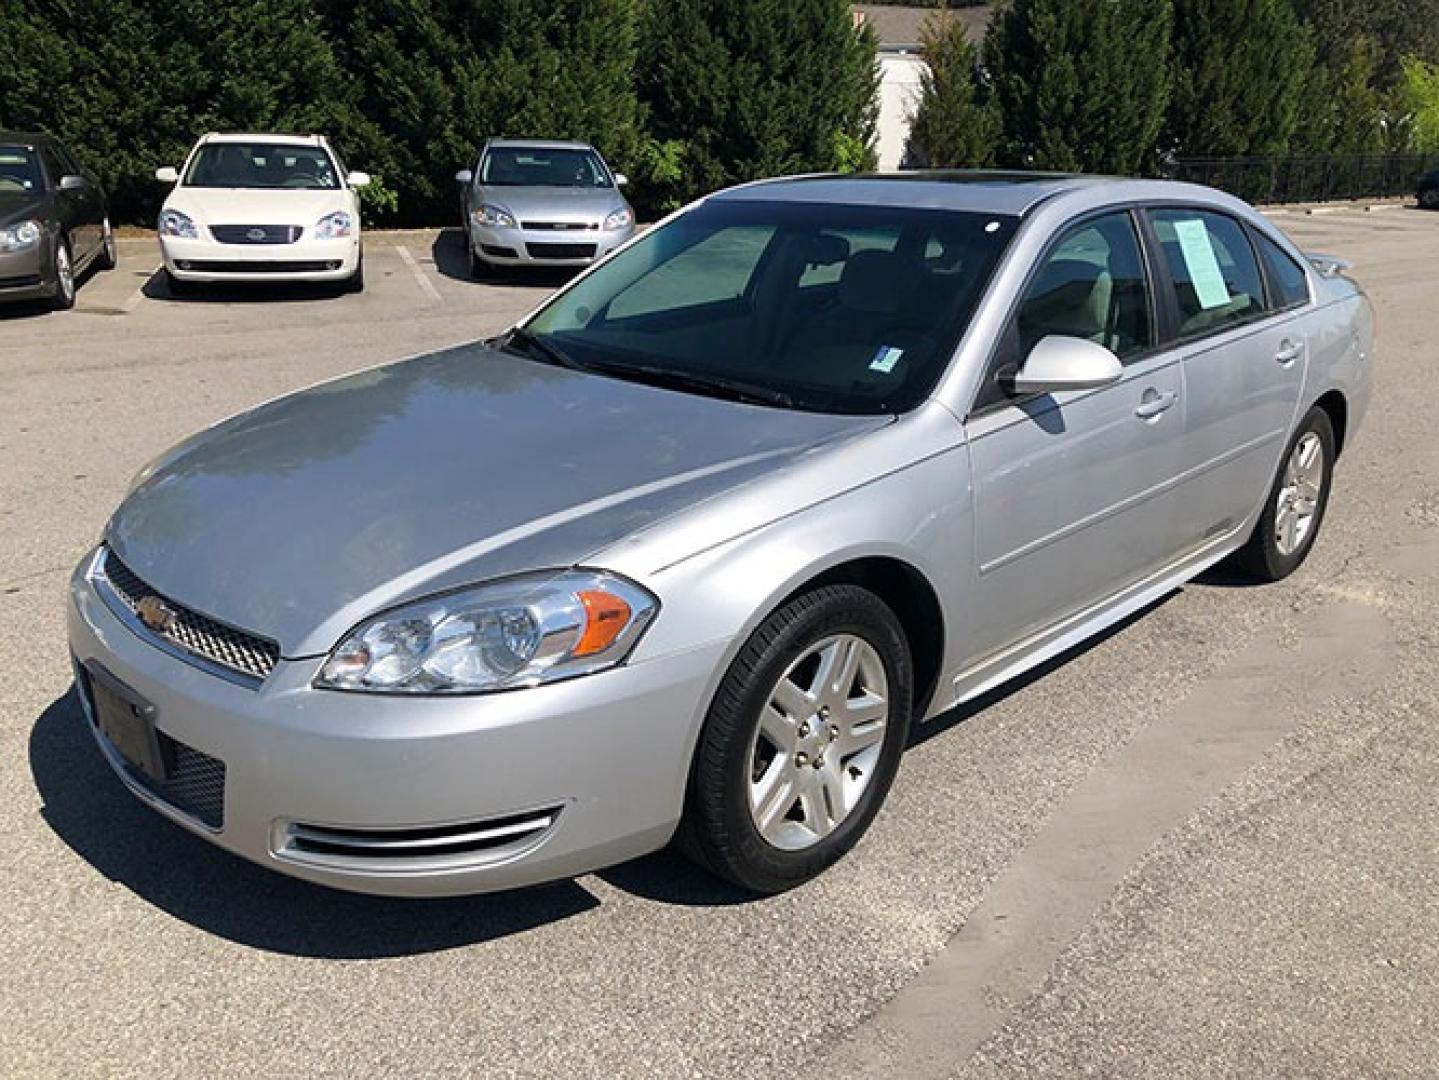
(1288, 283)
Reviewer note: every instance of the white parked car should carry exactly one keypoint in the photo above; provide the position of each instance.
(262, 208)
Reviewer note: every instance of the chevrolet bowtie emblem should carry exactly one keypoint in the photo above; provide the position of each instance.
(155, 613)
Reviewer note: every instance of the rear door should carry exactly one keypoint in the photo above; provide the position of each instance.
(1073, 492)
(1241, 334)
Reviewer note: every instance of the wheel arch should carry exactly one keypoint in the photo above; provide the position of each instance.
(912, 598)
(1336, 405)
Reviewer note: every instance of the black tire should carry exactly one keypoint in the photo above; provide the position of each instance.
(718, 830)
(176, 287)
(355, 283)
(479, 269)
(64, 268)
(1262, 557)
(108, 258)
(1429, 198)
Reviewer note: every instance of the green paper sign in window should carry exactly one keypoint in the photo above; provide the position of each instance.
(1204, 272)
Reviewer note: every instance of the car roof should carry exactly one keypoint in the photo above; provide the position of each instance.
(24, 138)
(541, 144)
(262, 136)
(983, 191)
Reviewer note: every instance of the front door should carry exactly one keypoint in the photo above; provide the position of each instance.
(1074, 493)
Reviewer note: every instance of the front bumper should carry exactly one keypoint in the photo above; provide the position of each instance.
(544, 247)
(370, 792)
(26, 275)
(207, 260)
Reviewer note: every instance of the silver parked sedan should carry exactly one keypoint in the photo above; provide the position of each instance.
(685, 552)
(534, 202)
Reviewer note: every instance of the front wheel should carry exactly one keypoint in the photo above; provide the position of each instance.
(802, 741)
(1296, 503)
(109, 257)
(64, 298)
(355, 283)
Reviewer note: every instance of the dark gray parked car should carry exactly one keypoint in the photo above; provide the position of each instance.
(54, 223)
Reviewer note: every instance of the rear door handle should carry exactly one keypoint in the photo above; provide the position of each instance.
(1289, 352)
(1154, 404)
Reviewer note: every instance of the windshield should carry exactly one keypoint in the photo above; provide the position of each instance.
(852, 309)
(20, 169)
(262, 165)
(514, 166)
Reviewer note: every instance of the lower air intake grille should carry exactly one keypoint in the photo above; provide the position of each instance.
(189, 630)
(561, 251)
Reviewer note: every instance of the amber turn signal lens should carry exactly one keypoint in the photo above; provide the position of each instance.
(606, 616)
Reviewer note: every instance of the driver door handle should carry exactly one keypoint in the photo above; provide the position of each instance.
(1154, 404)
(1289, 352)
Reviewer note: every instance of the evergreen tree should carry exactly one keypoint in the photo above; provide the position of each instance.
(1396, 29)
(739, 89)
(1081, 84)
(955, 123)
(1342, 110)
(1240, 74)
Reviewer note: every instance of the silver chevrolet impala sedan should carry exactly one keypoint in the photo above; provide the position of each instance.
(686, 553)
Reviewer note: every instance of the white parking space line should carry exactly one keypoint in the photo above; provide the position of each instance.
(134, 299)
(424, 282)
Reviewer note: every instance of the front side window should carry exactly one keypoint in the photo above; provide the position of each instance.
(834, 308)
(1216, 278)
(563, 167)
(262, 165)
(1287, 281)
(1091, 285)
(20, 169)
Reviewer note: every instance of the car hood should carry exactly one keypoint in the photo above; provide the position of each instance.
(21, 205)
(307, 514)
(580, 204)
(256, 206)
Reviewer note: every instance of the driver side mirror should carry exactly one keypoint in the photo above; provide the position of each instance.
(357, 179)
(73, 183)
(167, 175)
(1066, 363)
(621, 179)
(464, 176)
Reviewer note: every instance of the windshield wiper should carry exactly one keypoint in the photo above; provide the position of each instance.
(712, 385)
(532, 346)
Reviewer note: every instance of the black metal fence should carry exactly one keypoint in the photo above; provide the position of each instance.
(1308, 178)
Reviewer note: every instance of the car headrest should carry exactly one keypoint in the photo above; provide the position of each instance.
(878, 282)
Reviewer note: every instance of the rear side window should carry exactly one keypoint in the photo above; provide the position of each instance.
(1216, 277)
(1287, 281)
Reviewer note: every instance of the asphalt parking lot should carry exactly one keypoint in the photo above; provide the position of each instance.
(1205, 845)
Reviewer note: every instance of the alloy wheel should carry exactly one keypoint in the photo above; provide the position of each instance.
(1298, 498)
(818, 742)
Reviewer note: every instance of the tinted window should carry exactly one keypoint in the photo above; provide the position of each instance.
(1091, 285)
(506, 166)
(1215, 275)
(1287, 280)
(838, 308)
(20, 169)
(262, 165)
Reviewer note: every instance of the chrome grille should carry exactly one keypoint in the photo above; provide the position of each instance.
(256, 234)
(189, 630)
(560, 226)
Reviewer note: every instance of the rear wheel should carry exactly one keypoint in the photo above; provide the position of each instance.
(108, 257)
(1297, 500)
(802, 741)
(64, 298)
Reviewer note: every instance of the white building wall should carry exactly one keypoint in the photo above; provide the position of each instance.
(898, 97)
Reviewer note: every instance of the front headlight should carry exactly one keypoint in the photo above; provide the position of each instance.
(493, 216)
(20, 236)
(334, 226)
(620, 219)
(522, 631)
(174, 223)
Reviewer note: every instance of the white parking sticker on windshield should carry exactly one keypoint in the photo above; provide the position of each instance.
(1204, 272)
(885, 359)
